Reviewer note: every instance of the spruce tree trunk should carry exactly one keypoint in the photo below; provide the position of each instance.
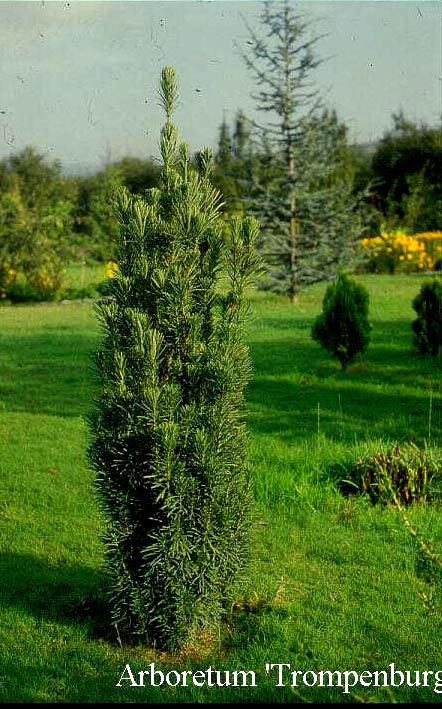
(293, 236)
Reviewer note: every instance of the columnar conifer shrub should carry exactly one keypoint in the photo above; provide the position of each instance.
(427, 327)
(168, 433)
(343, 328)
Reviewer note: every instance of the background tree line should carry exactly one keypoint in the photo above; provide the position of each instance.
(48, 218)
(400, 173)
(314, 193)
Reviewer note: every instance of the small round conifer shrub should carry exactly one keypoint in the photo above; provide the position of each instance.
(343, 328)
(427, 327)
(168, 433)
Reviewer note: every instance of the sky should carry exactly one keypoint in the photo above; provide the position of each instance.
(79, 79)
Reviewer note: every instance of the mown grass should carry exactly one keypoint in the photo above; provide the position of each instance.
(335, 584)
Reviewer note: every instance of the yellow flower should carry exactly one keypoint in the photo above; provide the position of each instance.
(418, 250)
(111, 269)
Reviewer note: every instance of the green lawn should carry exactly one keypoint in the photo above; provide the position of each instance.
(335, 584)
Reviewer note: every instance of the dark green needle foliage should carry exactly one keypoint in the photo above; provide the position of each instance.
(343, 328)
(168, 434)
(427, 327)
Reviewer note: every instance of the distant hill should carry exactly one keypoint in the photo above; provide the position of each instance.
(368, 148)
(84, 169)
(80, 169)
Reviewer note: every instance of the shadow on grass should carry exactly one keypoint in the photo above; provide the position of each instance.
(51, 373)
(48, 373)
(69, 594)
(288, 347)
(55, 592)
(299, 389)
(342, 412)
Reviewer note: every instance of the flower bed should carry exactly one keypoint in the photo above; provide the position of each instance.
(397, 251)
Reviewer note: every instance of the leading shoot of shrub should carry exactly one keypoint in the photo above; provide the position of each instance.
(168, 433)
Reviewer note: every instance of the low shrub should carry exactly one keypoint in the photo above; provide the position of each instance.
(404, 474)
(35, 286)
(38, 277)
(343, 328)
(93, 290)
(427, 327)
(7, 278)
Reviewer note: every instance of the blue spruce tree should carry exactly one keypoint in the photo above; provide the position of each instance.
(297, 188)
